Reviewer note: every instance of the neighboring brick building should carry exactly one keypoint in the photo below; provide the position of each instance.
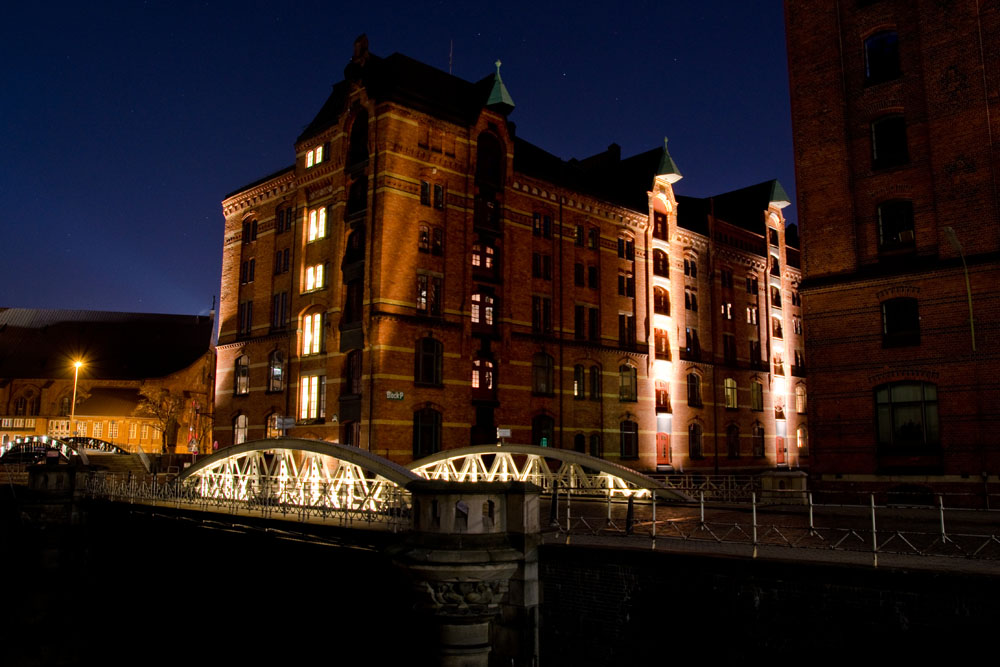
(895, 110)
(421, 277)
(121, 354)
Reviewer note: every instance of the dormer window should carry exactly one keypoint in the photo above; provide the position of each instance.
(314, 156)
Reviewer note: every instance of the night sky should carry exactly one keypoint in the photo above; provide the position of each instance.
(123, 125)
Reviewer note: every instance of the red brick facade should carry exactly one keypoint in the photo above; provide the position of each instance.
(468, 285)
(895, 110)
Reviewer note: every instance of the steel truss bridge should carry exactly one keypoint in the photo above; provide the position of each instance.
(67, 447)
(318, 478)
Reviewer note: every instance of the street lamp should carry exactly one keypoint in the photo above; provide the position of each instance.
(72, 405)
(953, 240)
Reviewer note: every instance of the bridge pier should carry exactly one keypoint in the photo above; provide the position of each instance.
(472, 556)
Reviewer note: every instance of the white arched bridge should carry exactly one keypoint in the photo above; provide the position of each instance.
(310, 477)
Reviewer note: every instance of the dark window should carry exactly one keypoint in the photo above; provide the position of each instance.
(490, 161)
(626, 330)
(882, 57)
(279, 310)
(352, 433)
(695, 450)
(578, 274)
(889, 147)
(355, 247)
(352, 372)
(357, 151)
(281, 260)
(425, 193)
(438, 196)
(895, 225)
(579, 238)
(692, 348)
(596, 446)
(756, 396)
(593, 238)
(906, 414)
(594, 325)
(429, 295)
(353, 301)
(629, 433)
(772, 236)
(580, 443)
(580, 322)
(627, 383)
(542, 374)
(694, 390)
(541, 314)
(757, 440)
(357, 197)
(592, 277)
(595, 383)
(244, 318)
(626, 248)
(541, 266)
(661, 301)
(542, 429)
(733, 441)
(426, 432)
(424, 238)
(660, 226)
(900, 322)
(726, 277)
(428, 362)
(661, 266)
(691, 267)
(752, 285)
(64, 404)
(729, 348)
(690, 300)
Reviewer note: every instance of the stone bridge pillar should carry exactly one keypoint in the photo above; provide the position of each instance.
(472, 555)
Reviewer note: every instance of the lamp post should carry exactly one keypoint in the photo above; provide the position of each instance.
(953, 240)
(72, 405)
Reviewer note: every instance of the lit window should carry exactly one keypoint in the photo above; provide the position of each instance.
(312, 334)
(800, 399)
(98, 429)
(314, 277)
(242, 376)
(276, 371)
(143, 433)
(314, 156)
(132, 429)
(317, 224)
(240, 426)
(482, 374)
(579, 382)
(113, 429)
(802, 437)
(428, 295)
(312, 397)
(482, 309)
(751, 314)
(661, 301)
(273, 426)
(731, 396)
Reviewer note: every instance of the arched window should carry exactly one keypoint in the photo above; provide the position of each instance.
(490, 161)
(352, 372)
(580, 443)
(482, 374)
(694, 390)
(882, 57)
(802, 440)
(241, 378)
(629, 434)
(273, 425)
(757, 440)
(661, 266)
(276, 371)
(731, 398)
(733, 441)
(64, 406)
(595, 383)
(542, 375)
(800, 399)
(426, 432)
(695, 450)
(906, 414)
(661, 301)
(627, 383)
(357, 151)
(20, 406)
(542, 428)
(579, 382)
(354, 250)
(357, 196)
(596, 446)
(428, 362)
(240, 425)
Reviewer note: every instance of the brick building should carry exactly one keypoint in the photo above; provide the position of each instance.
(421, 276)
(121, 354)
(895, 110)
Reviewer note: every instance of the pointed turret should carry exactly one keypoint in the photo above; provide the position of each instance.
(779, 197)
(668, 168)
(499, 99)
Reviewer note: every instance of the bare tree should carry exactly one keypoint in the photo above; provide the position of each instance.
(165, 408)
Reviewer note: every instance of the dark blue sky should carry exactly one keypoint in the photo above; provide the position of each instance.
(123, 125)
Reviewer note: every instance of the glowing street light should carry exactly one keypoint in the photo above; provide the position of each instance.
(72, 406)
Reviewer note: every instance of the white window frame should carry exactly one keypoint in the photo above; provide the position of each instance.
(317, 224)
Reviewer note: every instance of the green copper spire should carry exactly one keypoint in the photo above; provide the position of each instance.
(778, 195)
(499, 97)
(668, 168)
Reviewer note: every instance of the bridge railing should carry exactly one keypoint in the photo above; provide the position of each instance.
(382, 505)
(723, 488)
(856, 533)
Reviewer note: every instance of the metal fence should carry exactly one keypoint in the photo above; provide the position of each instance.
(268, 499)
(870, 530)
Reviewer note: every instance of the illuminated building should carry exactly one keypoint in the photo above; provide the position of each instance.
(895, 108)
(120, 353)
(422, 277)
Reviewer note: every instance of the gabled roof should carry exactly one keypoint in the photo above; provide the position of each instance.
(742, 208)
(409, 82)
(113, 346)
